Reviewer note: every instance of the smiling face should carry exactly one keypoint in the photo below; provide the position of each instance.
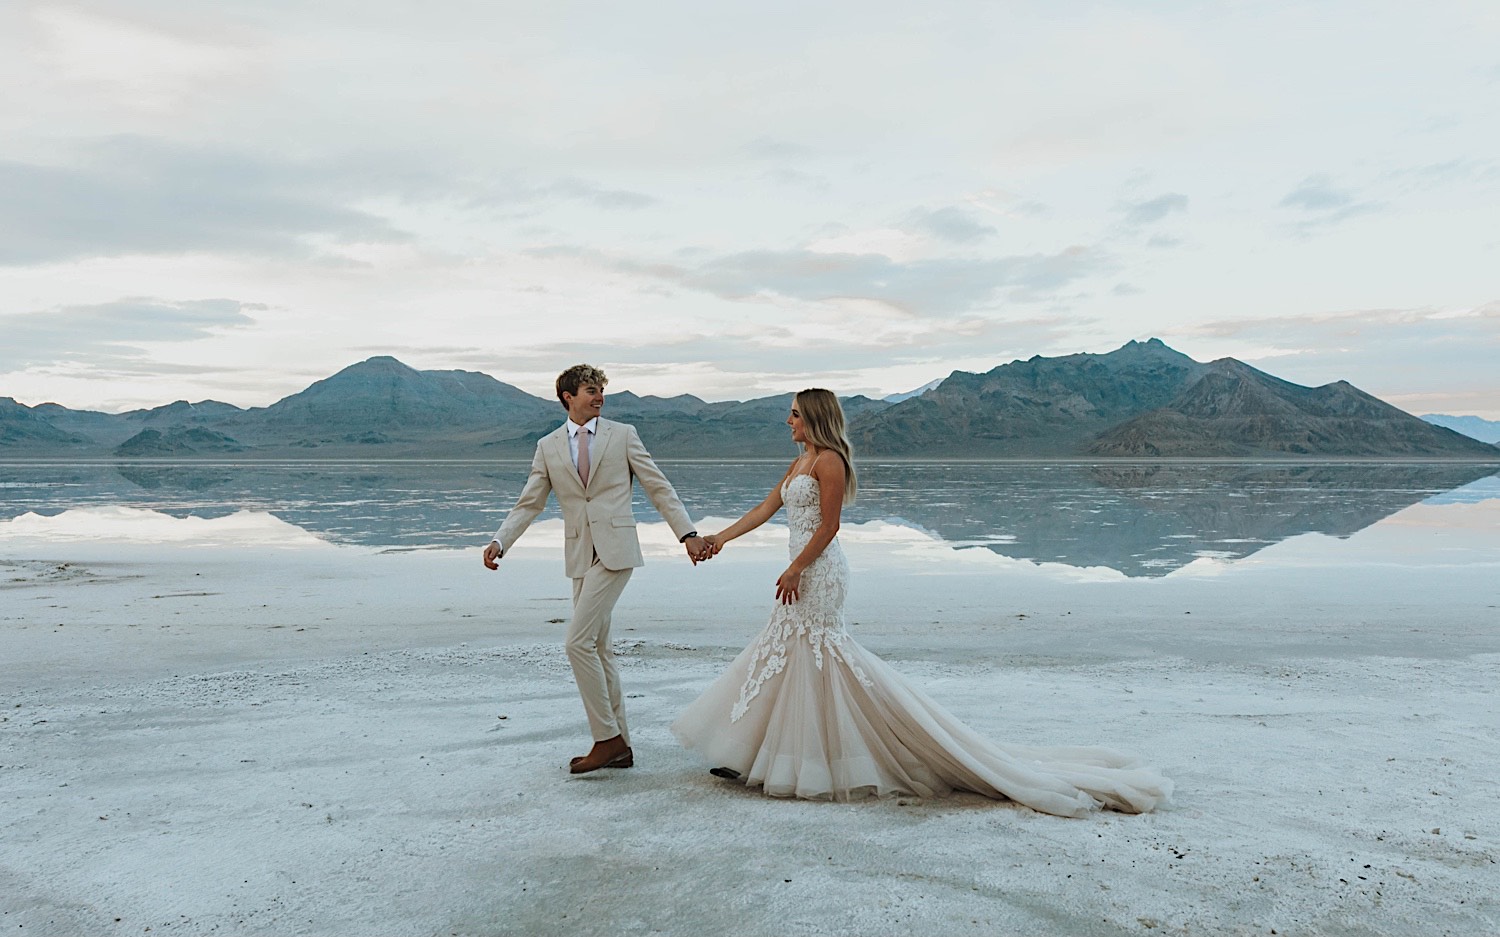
(794, 420)
(584, 405)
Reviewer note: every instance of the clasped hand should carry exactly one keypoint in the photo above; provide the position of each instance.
(703, 549)
(698, 549)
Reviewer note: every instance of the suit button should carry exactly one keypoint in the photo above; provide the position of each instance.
(588, 499)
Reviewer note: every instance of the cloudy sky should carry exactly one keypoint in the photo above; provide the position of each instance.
(233, 199)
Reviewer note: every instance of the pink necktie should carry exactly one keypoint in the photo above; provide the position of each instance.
(583, 457)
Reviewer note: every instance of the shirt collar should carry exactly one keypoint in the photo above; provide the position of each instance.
(592, 426)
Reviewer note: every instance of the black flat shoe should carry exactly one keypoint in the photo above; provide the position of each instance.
(728, 774)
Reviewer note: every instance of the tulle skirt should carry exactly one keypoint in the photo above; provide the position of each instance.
(841, 724)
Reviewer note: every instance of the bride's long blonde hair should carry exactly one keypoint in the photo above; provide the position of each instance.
(823, 425)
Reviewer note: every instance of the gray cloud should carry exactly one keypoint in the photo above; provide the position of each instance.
(1466, 173)
(1317, 193)
(940, 286)
(1154, 209)
(131, 195)
(112, 333)
(950, 223)
(768, 148)
(1324, 203)
(513, 194)
(796, 178)
(598, 195)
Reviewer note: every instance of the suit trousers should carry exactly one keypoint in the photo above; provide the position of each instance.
(589, 651)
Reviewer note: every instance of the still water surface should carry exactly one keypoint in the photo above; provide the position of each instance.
(1142, 520)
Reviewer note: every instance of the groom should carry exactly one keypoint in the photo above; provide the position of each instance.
(590, 464)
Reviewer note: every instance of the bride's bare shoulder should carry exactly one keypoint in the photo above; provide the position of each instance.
(829, 466)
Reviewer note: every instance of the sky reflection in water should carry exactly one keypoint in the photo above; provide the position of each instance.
(1142, 520)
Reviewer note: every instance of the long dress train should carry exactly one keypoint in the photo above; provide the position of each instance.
(805, 711)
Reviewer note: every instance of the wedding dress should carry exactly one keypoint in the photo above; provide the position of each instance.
(804, 711)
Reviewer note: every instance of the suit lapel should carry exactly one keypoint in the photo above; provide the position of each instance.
(563, 456)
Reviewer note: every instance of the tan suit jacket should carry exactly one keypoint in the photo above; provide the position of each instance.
(597, 519)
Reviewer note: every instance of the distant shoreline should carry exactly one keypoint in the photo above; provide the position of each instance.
(865, 460)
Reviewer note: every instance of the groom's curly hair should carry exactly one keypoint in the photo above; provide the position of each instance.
(577, 376)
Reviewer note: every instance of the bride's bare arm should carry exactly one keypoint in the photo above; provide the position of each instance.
(829, 469)
(752, 518)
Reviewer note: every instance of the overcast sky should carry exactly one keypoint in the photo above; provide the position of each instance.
(233, 199)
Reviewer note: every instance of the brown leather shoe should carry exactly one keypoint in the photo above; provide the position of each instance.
(585, 764)
(625, 759)
(609, 753)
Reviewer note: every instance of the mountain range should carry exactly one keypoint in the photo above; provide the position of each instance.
(1143, 400)
(1473, 426)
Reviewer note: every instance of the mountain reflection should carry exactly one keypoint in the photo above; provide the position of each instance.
(1140, 519)
(1147, 520)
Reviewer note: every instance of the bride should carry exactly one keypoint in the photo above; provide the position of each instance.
(804, 711)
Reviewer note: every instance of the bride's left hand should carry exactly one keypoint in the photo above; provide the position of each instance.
(788, 585)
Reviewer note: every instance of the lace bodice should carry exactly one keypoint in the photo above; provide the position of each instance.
(804, 513)
(818, 614)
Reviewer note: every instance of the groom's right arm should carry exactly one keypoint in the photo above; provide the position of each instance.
(531, 502)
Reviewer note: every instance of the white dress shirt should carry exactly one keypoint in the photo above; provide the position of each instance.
(573, 430)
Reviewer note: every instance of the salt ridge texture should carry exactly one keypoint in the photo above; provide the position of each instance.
(202, 738)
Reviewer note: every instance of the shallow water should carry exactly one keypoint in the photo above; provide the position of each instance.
(1142, 520)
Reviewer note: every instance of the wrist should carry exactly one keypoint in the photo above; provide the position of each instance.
(687, 536)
